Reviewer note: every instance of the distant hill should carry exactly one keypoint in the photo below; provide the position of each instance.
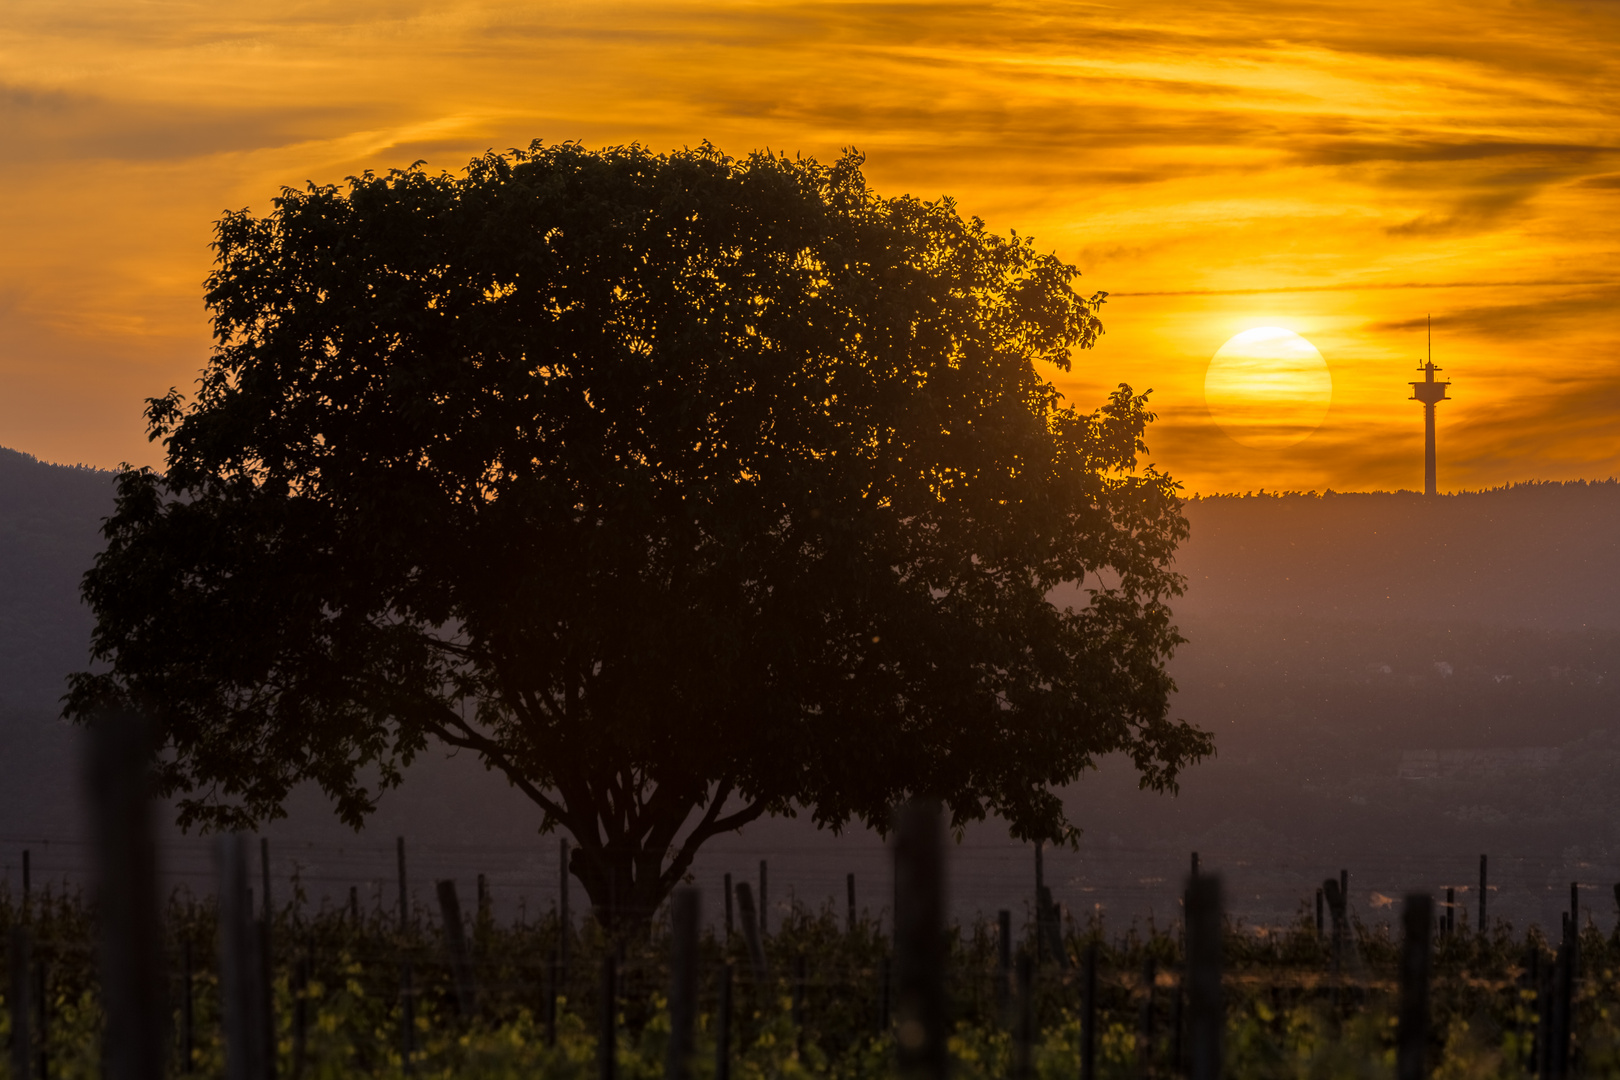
(1331, 639)
(50, 520)
(1482, 619)
(1543, 556)
(1534, 555)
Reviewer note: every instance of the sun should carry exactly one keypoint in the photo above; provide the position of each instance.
(1268, 388)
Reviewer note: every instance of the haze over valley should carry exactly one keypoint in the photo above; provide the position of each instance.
(1396, 684)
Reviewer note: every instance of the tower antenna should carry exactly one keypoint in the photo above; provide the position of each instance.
(1431, 393)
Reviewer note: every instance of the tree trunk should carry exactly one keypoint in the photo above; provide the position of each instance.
(624, 895)
(629, 863)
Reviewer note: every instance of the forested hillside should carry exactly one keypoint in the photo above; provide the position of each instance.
(49, 517)
(1542, 554)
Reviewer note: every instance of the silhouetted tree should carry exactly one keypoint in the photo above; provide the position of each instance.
(679, 489)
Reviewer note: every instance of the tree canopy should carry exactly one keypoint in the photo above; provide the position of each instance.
(679, 488)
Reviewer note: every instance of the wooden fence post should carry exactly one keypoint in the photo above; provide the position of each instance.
(407, 987)
(764, 901)
(267, 974)
(407, 1018)
(1178, 1026)
(553, 970)
(731, 925)
(684, 913)
(1040, 909)
(1088, 1018)
(722, 1036)
(119, 783)
(801, 978)
(455, 941)
(1004, 964)
(750, 926)
(240, 966)
(404, 896)
(1318, 914)
(1049, 925)
(565, 925)
(849, 889)
(1517, 987)
(1024, 1033)
(1206, 1011)
(299, 985)
(188, 1015)
(919, 869)
(1412, 1038)
(42, 1011)
(607, 1036)
(1574, 929)
(1336, 907)
(232, 949)
(1544, 981)
(20, 959)
(1194, 875)
(885, 990)
(264, 879)
(1563, 1008)
(1145, 1021)
(1483, 922)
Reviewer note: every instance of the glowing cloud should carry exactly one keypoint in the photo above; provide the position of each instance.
(1341, 170)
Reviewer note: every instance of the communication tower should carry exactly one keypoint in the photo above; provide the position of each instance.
(1430, 393)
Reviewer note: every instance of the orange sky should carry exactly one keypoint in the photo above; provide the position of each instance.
(1339, 170)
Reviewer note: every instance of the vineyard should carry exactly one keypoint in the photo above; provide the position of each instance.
(385, 993)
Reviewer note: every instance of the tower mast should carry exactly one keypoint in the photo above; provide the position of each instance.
(1430, 393)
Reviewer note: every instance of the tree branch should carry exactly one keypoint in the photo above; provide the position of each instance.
(662, 815)
(471, 739)
(711, 824)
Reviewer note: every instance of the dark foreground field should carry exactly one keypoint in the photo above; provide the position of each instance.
(357, 994)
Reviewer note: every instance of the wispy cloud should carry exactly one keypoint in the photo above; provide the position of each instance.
(57, 127)
(1524, 318)
(1374, 286)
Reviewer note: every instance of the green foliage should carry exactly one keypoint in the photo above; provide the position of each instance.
(680, 489)
(1288, 1017)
